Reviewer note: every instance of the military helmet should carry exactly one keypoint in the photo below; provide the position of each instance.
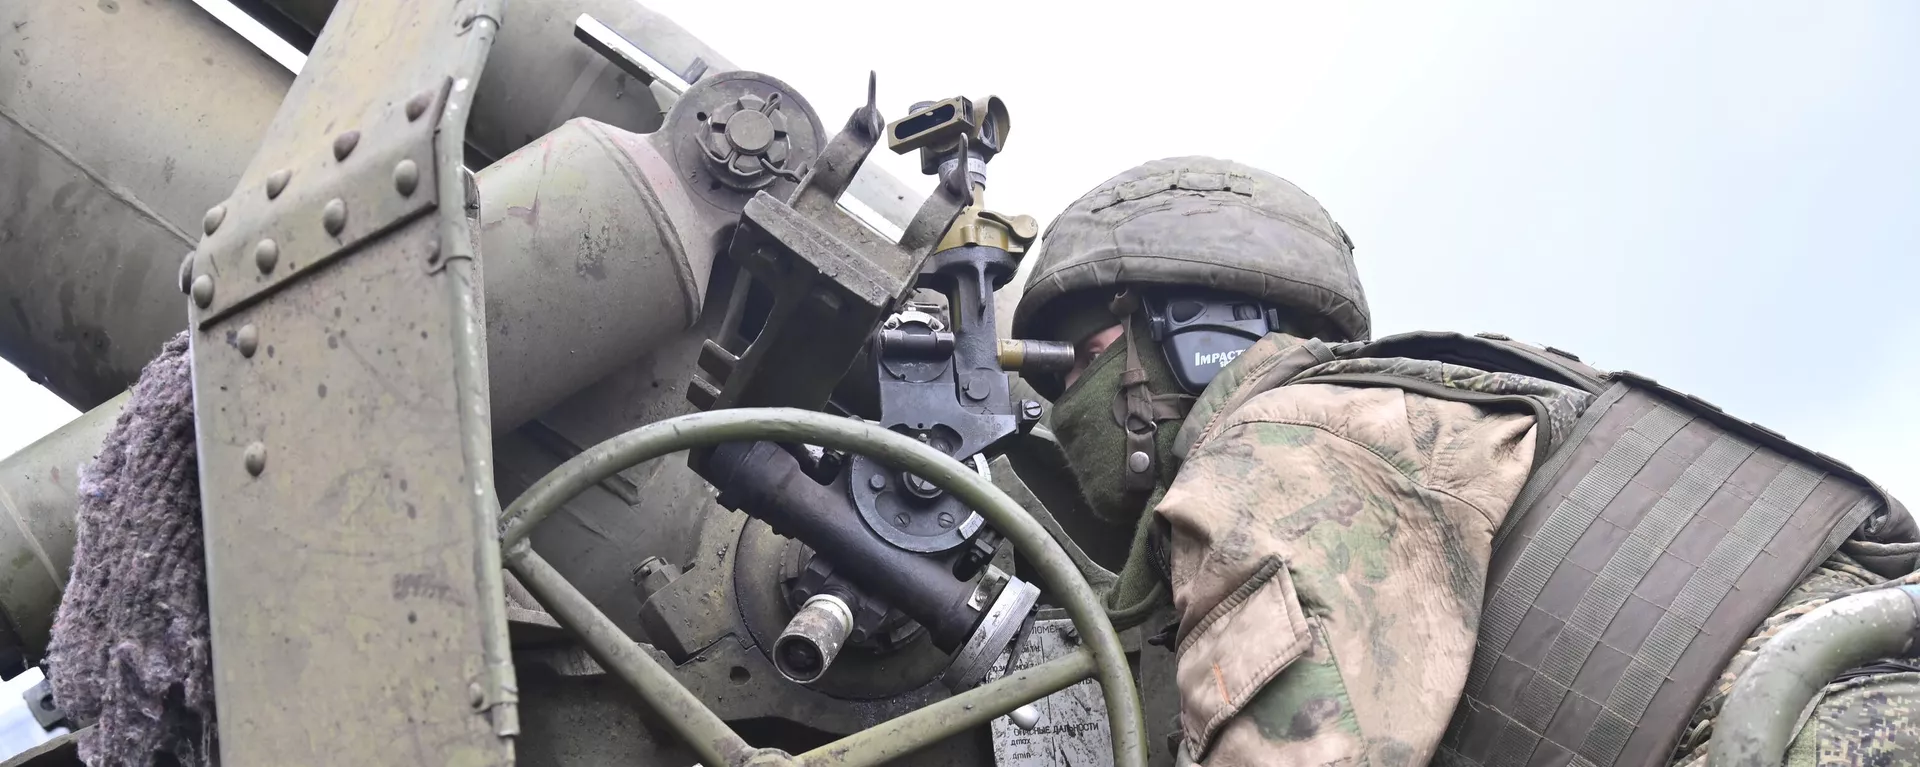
(1199, 222)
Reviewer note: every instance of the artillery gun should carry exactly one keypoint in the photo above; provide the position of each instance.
(391, 329)
(768, 467)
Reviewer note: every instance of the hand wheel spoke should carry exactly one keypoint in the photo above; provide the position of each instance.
(924, 727)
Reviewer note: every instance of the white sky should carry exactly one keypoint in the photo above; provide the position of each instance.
(1722, 195)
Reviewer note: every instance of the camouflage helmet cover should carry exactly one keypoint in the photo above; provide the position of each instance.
(1201, 222)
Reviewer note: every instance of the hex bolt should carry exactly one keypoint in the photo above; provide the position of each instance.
(256, 458)
(248, 339)
(266, 255)
(406, 177)
(215, 215)
(417, 105)
(344, 143)
(186, 274)
(277, 182)
(203, 291)
(334, 216)
(877, 482)
(1138, 461)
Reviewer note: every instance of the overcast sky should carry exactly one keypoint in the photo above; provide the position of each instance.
(1719, 195)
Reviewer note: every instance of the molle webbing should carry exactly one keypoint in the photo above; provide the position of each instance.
(1636, 561)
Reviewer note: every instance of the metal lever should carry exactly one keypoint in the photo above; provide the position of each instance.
(630, 59)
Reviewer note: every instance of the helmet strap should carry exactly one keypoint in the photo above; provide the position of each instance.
(1139, 410)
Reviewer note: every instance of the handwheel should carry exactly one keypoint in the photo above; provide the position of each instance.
(1100, 655)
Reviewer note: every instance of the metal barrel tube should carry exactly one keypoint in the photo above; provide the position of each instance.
(105, 194)
(120, 124)
(1035, 357)
(38, 497)
(584, 271)
(807, 646)
(583, 275)
(1762, 713)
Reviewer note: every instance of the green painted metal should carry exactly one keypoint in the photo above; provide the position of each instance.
(345, 468)
(1057, 570)
(1762, 714)
(120, 123)
(709, 737)
(954, 715)
(39, 493)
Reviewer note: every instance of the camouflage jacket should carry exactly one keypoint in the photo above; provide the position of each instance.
(1330, 541)
(1329, 551)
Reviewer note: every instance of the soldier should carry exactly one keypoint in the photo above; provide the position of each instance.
(1430, 545)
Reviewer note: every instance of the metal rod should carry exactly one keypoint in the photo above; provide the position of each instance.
(925, 726)
(703, 731)
(625, 55)
(1056, 569)
(1762, 713)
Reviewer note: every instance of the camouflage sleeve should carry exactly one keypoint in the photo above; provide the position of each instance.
(1330, 546)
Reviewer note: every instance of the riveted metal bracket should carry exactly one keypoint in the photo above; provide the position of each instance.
(340, 392)
(324, 205)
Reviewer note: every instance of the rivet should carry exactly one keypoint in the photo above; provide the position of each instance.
(266, 255)
(417, 105)
(877, 482)
(248, 340)
(203, 291)
(215, 215)
(1138, 461)
(406, 177)
(344, 143)
(334, 216)
(277, 182)
(476, 694)
(256, 458)
(186, 274)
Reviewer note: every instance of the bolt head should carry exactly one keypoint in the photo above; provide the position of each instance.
(1138, 461)
(266, 255)
(417, 105)
(215, 215)
(334, 216)
(277, 182)
(344, 143)
(203, 291)
(406, 177)
(256, 458)
(248, 339)
(877, 482)
(1031, 409)
(186, 274)
(750, 132)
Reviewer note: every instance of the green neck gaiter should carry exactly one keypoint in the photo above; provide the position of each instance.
(1089, 420)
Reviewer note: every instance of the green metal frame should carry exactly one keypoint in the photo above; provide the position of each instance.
(1762, 714)
(1101, 657)
(340, 390)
